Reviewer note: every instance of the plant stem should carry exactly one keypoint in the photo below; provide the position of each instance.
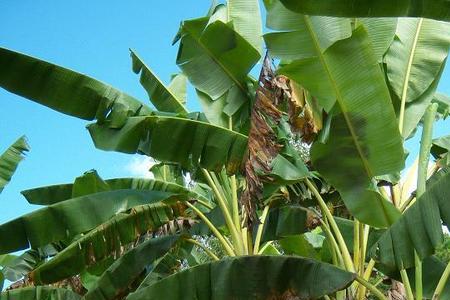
(234, 193)
(235, 202)
(226, 245)
(424, 158)
(260, 229)
(425, 146)
(405, 280)
(442, 282)
(207, 251)
(362, 289)
(334, 245)
(356, 244)
(340, 240)
(371, 288)
(239, 246)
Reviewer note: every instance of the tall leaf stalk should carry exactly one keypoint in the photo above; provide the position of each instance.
(424, 157)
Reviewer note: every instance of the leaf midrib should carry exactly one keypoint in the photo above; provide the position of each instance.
(408, 72)
(339, 97)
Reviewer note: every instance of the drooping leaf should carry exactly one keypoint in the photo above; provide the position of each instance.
(246, 18)
(10, 159)
(52, 194)
(419, 229)
(433, 9)
(362, 144)
(39, 293)
(124, 271)
(64, 90)
(105, 240)
(62, 220)
(250, 277)
(172, 139)
(416, 56)
(160, 95)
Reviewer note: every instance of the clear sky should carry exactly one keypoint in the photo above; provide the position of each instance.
(91, 37)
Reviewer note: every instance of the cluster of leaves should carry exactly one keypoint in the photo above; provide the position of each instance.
(313, 149)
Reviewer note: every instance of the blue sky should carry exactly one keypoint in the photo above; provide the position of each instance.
(91, 37)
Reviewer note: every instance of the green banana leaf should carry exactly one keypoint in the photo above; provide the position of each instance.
(215, 58)
(10, 159)
(19, 266)
(432, 269)
(415, 110)
(440, 146)
(104, 241)
(364, 140)
(246, 18)
(443, 102)
(118, 277)
(294, 42)
(168, 173)
(173, 139)
(178, 87)
(284, 221)
(381, 32)
(416, 56)
(419, 229)
(62, 220)
(433, 9)
(160, 95)
(250, 277)
(64, 90)
(39, 293)
(163, 267)
(52, 194)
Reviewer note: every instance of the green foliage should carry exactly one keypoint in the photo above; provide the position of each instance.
(347, 88)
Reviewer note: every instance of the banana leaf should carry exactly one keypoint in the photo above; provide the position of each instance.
(160, 95)
(364, 139)
(419, 229)
(118, 277)
(65, 90)
(215, 57)
(246, 18)
(104, 241)
(292, 41)
(250, 277)
(62, 220)
(416, 56)
(173, 139)
(433, 9)
(52, 194)
(10, 159)
(39, 293)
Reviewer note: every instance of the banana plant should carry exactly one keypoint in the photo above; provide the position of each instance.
(284, 186)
